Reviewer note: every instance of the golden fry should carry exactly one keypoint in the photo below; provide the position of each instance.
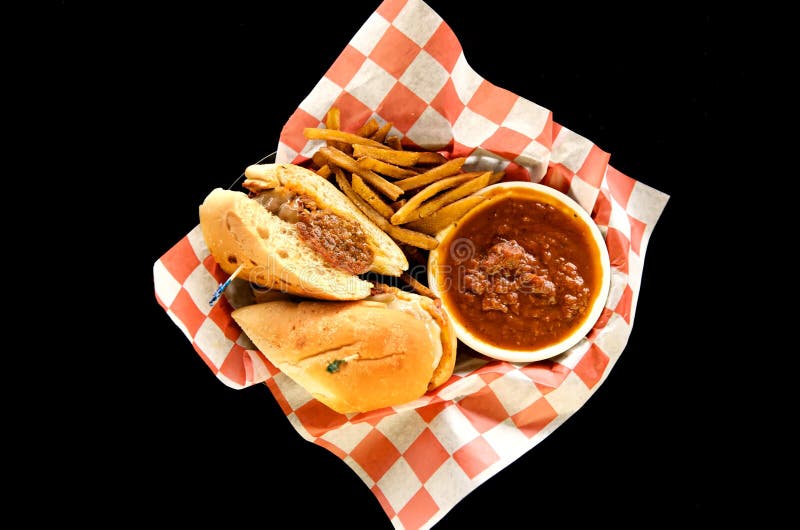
(445, 170)
(417, 286)
(410, 210)
(362, 205)
(416, 239)
(394, 142)
(368, 129)
(333, 122)
(324, 171)
(454, 194)
(413, 255)
(379, 166)
(337, 158)
(396, 205)
(443, 218)
(380, 134)
(398, 158)
(371, 197)
(431, 158)
(340, 136)
(318, 159)
(496, 177)
(333, 119)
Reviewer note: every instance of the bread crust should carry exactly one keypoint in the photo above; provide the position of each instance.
(352, 356)
(444, 369)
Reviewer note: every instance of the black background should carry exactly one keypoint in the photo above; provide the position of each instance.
(180, 100)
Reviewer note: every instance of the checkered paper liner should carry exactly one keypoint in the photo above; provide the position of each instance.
(406, 66)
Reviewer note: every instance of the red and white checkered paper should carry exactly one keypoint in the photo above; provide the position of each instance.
(406, 66)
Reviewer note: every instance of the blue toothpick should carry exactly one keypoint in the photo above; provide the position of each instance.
(224, 285)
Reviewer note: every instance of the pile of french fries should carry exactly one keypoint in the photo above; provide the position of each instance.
(426, 192)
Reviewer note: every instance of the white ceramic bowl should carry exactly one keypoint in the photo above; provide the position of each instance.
(439, 283)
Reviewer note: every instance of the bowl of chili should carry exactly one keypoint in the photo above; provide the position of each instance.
(524, 275)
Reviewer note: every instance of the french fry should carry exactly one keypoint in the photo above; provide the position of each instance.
(410, 210)
(431, 157)
(413, 255)
(333, 119)
(454, 194)
(371, 197)
(396, 205)
(496, 177)
(362, 205)
(324, 171)
(379, 166)
(394, 142)
(335, 157)
(340, 136)
(380, 134)
(333, 122)
(318, 159)
(443, 218)
(368, 129)
(398, 158)
(445, 170)
(416, 239)
(417, 286)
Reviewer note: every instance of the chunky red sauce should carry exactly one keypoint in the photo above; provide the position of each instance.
(521, 274)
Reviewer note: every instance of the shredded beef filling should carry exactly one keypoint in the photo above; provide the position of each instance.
(339, 241)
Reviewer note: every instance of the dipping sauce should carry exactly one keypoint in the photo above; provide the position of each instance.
(522, 273)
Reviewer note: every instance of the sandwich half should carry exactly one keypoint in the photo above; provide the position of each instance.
(296, 232)
(356, 356)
